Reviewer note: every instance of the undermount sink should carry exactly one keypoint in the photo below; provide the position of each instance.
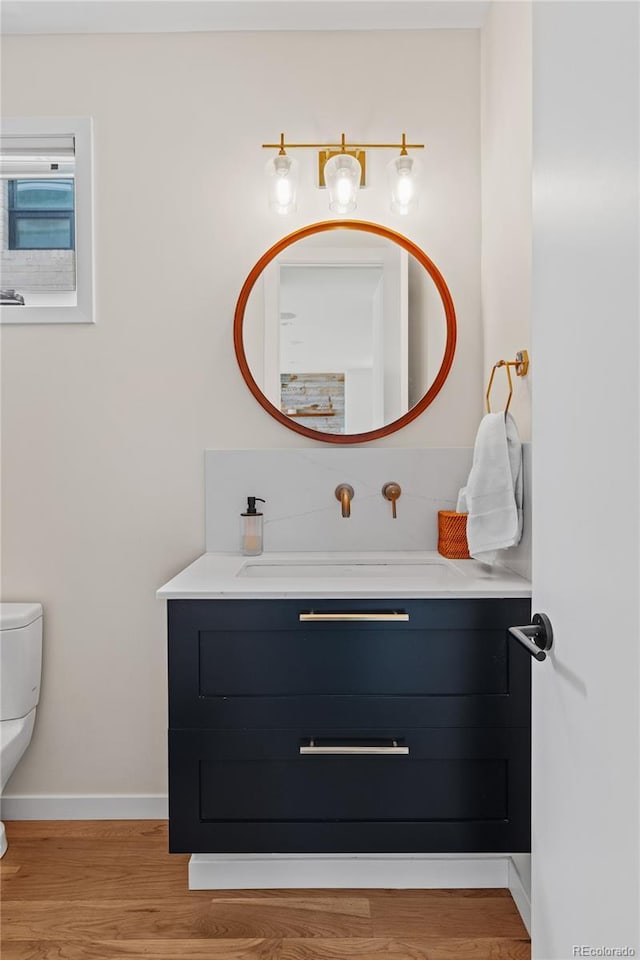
(432, 570)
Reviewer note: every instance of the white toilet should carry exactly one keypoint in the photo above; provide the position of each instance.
(20, 669)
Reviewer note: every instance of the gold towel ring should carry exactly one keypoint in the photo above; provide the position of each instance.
(521, 363)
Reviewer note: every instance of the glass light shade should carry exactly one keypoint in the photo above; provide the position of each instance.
(342, 175)
(282, 179)
(402, 174)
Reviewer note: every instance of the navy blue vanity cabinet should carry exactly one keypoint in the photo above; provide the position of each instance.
(348, 726)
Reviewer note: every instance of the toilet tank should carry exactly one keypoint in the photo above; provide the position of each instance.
(20, 658)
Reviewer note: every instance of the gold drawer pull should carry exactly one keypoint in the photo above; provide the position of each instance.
(352, 617)
(355, 750)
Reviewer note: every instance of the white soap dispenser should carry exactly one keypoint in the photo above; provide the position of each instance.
(251, 529)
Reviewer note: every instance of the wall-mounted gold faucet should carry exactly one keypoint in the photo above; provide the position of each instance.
(392, 491)
(345, 494)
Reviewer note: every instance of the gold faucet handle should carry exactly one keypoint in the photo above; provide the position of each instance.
(345, 494)
(392, 491)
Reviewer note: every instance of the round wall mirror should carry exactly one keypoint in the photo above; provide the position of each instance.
(345, 331)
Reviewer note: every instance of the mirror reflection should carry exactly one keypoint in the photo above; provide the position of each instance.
(344, 331)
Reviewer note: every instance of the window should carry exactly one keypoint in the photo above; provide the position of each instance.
(46, 223)
(41, 215)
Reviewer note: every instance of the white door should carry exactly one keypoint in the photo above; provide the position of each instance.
(585, 833)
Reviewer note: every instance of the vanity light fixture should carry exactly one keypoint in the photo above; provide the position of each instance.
(341, 168)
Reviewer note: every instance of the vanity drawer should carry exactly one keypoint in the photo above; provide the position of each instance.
(257, 663)
(453, 790)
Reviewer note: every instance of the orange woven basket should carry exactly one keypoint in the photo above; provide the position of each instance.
(452, 535)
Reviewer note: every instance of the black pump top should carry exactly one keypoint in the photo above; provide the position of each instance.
(251, 507)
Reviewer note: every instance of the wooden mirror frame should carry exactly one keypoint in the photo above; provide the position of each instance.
(420, 256)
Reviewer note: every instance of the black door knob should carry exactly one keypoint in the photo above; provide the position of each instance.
(536, 637)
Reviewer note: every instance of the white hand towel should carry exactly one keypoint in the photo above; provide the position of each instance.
(493, 494)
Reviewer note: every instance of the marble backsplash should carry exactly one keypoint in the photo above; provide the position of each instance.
(302, 513)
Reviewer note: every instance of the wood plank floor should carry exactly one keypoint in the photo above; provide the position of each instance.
(103, 890)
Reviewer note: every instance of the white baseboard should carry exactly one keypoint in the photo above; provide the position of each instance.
(520, 895)
(85, 807)
(402, 871)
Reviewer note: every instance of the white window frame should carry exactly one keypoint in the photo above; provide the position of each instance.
(83, 311)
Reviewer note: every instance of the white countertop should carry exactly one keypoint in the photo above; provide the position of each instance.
(407, 574)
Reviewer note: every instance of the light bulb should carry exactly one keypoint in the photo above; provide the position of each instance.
(342, 175)
(344, 192)
(405, 190)
(284, 191)
(402, 183)
(282, 175)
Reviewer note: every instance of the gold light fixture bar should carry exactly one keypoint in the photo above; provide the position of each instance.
(343, 145)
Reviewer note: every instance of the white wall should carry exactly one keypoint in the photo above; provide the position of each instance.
(105, 426)
(506, 199)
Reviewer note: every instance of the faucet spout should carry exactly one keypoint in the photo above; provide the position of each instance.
(345, 494)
